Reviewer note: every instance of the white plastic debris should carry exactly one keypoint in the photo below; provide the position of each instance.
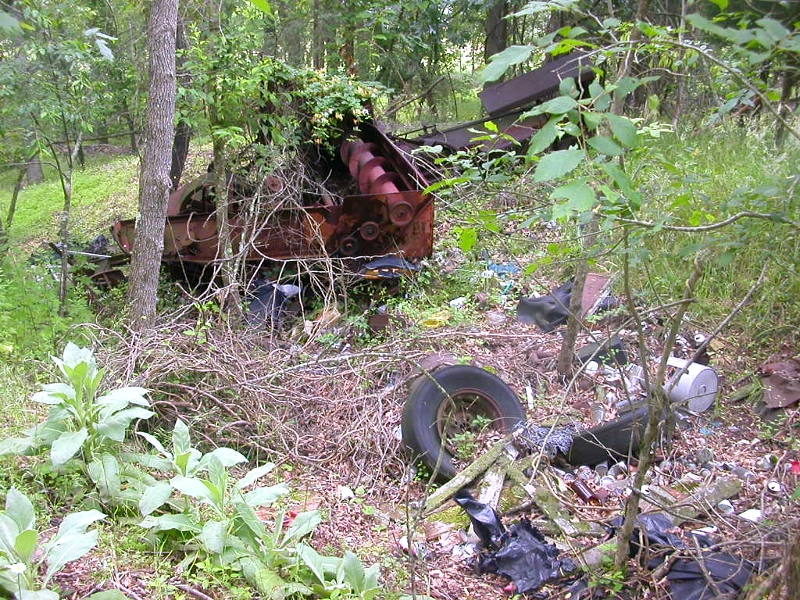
(752, 514)
(344, 492)
(458, 303)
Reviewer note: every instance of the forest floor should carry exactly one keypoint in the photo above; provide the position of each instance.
(338, 429)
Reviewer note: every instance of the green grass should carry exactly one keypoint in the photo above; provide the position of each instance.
(703, 179)
(104, 191)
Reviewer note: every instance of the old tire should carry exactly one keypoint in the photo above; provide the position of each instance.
(429, 415)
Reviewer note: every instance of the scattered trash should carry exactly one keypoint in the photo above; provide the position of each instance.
(725, 507)
(743, 473)
(458, 303)
(345, 493)
(416, 549)
(774, 487)
(707, 577)
(485, 520)
(550, 440)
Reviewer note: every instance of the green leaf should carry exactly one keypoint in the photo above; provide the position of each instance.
(193, 487)
(774, 29)
(544, 138)
(467, 238)
(579, 194)
(26, 543)
(9, 23)
(126, 395)
(266, 496)
(214, 535)
(312, 560)
(353, 571)
(250, 519)
(104, 471)
(67, 445)
(20, 509)
(557, 164)
(181, 441)
(154, 497)
(303, 524)
(263, 6)
(8, 534)
(108, 595)
(721, 4)
(154, 442)
(54, 393)
(226, 456)
(17, 446)
(556, 106)
(78, 522)
(172, 522)
(38, 595)
(68, 548)
(605, 145)
(624, 130)
(115, 426)
(500, 62)
(253, 475)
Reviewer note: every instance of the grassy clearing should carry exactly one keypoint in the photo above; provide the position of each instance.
(105, 190)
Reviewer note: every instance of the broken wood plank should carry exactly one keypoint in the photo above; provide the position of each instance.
(466, 476)
(492, 485)
(551, 506)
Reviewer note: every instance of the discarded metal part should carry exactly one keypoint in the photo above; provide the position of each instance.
(781, 383)
(697, 386)
(596, 292)
(506, 102)
(526, 89)
(753, 515)
(392, 215)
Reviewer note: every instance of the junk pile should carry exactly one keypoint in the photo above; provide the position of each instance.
(569, 482)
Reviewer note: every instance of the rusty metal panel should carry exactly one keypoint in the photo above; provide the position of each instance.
(463, 136)
(527, 88)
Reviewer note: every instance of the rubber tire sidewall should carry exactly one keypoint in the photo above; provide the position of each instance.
(420, 413)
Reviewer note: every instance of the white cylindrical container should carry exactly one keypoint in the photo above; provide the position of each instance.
(697, 386)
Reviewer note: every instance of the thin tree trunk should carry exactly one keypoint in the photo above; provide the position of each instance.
(574, 321)
(12, 207)
(496, 29)
(183, 132)
(155, 182)
(659, 409)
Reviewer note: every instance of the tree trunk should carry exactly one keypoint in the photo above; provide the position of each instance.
(154, 185)
(183, 132)
(496, 29)
(34, 173)
(12, 207)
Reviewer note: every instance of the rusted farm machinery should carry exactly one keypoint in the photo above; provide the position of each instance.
(385, 213)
